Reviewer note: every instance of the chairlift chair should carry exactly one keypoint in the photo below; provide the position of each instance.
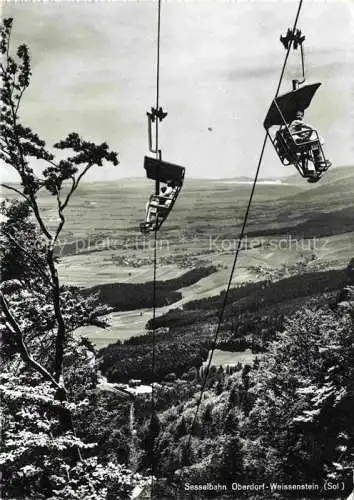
(160, 206)
(293, 147)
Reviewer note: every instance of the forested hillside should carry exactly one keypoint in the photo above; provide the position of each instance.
(255, 312)
(285, 419)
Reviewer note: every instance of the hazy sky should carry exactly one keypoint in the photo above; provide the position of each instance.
(94, 73)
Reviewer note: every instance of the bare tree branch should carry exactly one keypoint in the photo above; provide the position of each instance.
(14, 328)
(36, 212)
(11, 188)
(61, 224)
(61, 329)
(75, 185)
(68, 196)
(19, 100)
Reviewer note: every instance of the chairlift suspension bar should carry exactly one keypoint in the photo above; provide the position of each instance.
(154, 116)
(157, 113)
(296, 38)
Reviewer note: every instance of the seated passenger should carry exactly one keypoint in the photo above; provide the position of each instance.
(166, 194)
(151, 214)
(308, 147)
(304, 134)
(164, 197)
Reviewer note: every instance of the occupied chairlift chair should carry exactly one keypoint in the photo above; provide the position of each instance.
(160, 206)
(295, 142)
(293, 147)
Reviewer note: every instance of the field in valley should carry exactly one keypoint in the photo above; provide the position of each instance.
(293, 227)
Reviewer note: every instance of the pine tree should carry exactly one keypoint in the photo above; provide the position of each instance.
(186, 453)
(207, 420)
(150, 445)
(181, 429)
(230, 467)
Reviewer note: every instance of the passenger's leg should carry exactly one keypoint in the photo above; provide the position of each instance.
(320, 161)
(147, 210)
(317, 155)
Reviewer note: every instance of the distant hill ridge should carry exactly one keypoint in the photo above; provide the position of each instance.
(332, 175)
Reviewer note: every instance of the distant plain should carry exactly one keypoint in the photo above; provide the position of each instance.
(293, 227)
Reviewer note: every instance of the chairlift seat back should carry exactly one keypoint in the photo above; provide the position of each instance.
(284, 107)
(163, 171)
